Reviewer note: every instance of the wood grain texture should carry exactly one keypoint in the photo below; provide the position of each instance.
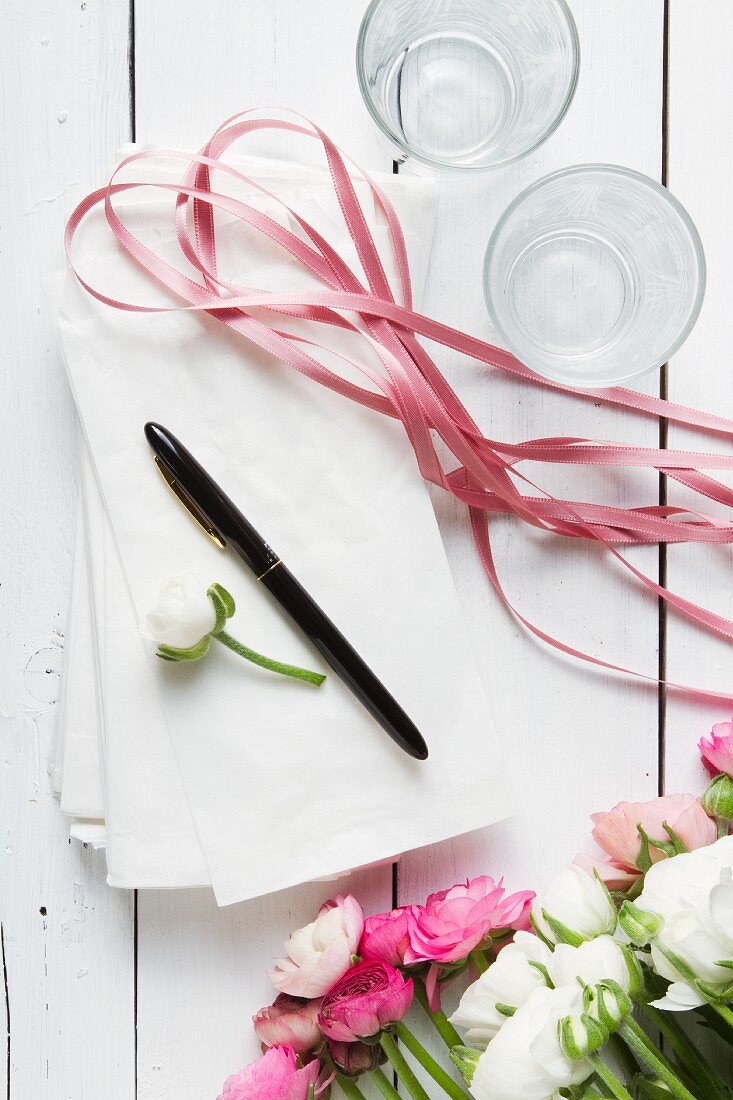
(701, 175)
(202, 971)
(67, 938)
(578, 740)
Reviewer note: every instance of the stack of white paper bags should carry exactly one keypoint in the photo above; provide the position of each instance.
(219, 773)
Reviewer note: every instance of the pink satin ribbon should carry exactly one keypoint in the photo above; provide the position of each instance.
(411, 388)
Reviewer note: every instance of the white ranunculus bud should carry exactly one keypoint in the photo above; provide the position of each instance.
(575, 907)
(525, 1059)
(184, 614)
(594, 961)
(693, 893)
(504, 986)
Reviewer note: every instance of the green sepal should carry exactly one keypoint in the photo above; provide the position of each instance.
(226, 598)
(466, 1059)
(640, 925)
(637, 984)
(505, 1010)
(609, 897)
(539, 933)
(544, 972)
(680, 848)
(609, 1019)
(193, 653)
(715, 993)
(561, 932)
(725, 962)
(643, 859)
(223, 605)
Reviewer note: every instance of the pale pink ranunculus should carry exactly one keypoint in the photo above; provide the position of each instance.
(617, 833)
(274, 1076)
(320, 953)
(453, 922)
(717, 749)
(386, 936)
(366, 999)
(289, 1021)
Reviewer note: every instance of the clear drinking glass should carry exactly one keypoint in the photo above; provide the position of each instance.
(467, 84)
(594, 275)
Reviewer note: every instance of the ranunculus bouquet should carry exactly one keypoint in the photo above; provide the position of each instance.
(577, 993)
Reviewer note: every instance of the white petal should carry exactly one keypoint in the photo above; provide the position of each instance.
(680, 997)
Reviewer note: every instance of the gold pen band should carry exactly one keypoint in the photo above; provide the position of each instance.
(273, 566)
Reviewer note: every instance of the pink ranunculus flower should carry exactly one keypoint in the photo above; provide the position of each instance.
(453, 922)
(617, 833)
(274, 1076)
(717, 749)
(386, 936)
(365, 1000)
(289, 1021)
(320, 953)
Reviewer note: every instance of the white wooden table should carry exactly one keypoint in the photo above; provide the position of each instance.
(110, 995)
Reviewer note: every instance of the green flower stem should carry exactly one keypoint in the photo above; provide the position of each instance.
(646, 1052)
(402, 1069)
(350, 1088)
(427, 1061)
(384, 1084)
(439, 1020)
(624, 1055)
(697, 1068)
(266, 662)
(478, 960)
(609, 1078)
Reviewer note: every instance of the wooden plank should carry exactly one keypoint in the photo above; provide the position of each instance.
(68, 942)
(700, 169)
(202, 971)
(700, 173)
(576, 740)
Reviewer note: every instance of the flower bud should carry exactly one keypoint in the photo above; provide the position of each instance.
(640, 925)
(612, 1004)
(580, 1035)
(575, 907)
(466, 1058)
(353, 1059)
(718, 798)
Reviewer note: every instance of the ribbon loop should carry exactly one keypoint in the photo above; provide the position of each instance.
(412, 388)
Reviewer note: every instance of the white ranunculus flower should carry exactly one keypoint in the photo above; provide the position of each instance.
(594, 961)
(321, 952)
(693, 893)
(183, 615)
(577, 900)
(508, 981)
(524, 1060)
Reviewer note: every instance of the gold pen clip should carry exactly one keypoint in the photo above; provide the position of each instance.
(185, 499)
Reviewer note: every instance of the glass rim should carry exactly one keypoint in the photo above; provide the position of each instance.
(674, 204)
(448, 166)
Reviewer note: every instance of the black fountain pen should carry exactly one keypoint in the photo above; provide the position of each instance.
(226, 526)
